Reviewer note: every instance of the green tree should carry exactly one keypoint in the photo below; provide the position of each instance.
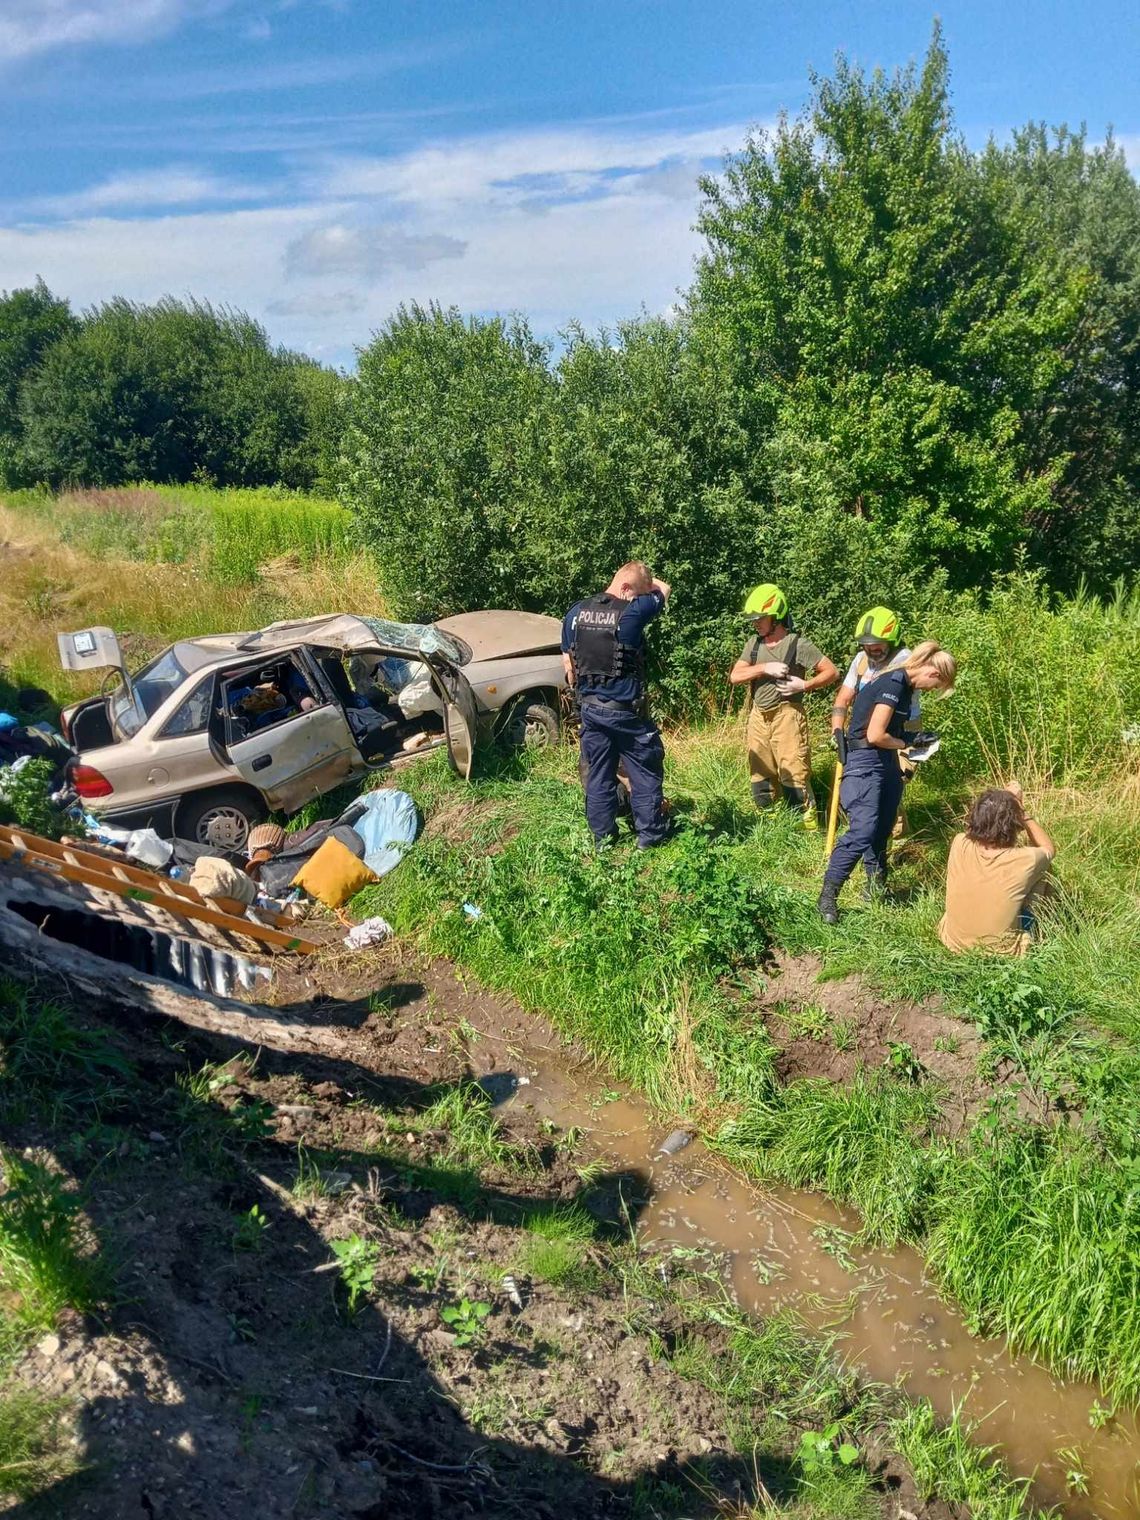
(31, 321)
(442, 463)
(169, 392)
(1082, 200)
(323, 395)
(884, 322)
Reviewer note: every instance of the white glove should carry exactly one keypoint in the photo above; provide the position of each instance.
(777, 669)
(790, 686)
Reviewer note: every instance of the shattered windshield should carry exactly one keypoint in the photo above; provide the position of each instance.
(418, 638)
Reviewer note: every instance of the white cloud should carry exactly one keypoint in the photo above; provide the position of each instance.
(1130, 143)
(36, 26)
(450, 222)
(368, 253)
(509, 166)
(177, 185)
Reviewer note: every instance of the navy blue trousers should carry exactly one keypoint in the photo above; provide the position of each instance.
(610, 734)
(870, 794)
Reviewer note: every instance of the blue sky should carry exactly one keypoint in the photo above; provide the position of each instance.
(316, 162)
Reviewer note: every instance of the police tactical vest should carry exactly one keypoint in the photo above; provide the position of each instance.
(595, 650)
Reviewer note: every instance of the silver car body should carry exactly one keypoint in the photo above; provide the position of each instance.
(169, 747)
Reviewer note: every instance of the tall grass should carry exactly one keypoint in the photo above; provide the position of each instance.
(948, 1464)
(48, 585)
(866, 1145)
(229, 534)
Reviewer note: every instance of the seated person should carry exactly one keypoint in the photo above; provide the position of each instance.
(991, 878)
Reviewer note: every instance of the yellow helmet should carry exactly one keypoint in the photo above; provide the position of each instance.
(879, 626)
(767, 601)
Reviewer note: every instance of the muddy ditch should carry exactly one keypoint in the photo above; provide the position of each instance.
(230, 1379)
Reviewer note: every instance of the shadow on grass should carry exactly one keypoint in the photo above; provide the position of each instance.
(275, 1395)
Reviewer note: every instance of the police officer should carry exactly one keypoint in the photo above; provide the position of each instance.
(872, 784)
(603, 652)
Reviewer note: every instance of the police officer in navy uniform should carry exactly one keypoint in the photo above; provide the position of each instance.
(603, 651)
(872, 785)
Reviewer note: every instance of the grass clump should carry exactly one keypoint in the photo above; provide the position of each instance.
(44, 1262)
(34, 1450)
(557, 1248)
(471, 1134)
(947, 1464)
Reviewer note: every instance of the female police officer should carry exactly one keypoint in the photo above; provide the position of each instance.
(872, 784)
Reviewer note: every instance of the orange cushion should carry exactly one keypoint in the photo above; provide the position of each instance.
(333, 874)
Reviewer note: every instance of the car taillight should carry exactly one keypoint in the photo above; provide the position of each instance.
(88, 782)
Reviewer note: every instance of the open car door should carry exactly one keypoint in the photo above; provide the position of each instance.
(293, 758)
(460, 716)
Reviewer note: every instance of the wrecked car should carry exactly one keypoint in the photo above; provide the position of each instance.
(214, 733)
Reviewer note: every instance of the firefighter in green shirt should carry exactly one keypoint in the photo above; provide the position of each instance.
(779, 665)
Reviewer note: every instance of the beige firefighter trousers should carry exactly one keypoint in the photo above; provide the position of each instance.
(779, 750)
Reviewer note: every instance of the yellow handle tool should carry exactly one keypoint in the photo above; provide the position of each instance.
(833, 808)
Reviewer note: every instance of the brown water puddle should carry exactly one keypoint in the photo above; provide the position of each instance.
(792, 1250)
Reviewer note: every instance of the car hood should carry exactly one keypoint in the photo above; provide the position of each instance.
(351, 635)
(503, 635)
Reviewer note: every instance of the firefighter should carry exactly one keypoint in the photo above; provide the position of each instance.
(603, 652)
(779, 665)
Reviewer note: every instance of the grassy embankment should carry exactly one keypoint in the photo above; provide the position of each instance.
(1034, 1229)
(160, 563)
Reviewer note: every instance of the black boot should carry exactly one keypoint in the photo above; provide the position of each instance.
(762, 794)
(828, 906)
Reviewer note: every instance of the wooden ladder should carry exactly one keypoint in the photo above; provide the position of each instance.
(73, 863)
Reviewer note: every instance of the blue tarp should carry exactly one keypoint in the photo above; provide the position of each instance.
(387, 822)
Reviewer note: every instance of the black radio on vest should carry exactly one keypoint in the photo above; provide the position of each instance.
(598, 656)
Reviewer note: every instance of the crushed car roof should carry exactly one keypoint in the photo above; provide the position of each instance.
(343, 631)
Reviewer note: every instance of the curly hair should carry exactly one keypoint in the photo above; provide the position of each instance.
(995, 819)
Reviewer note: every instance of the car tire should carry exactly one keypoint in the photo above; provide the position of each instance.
(221, 817)
(533, 724)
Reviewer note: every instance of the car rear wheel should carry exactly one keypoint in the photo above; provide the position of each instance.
(534, 725)
(221, 818)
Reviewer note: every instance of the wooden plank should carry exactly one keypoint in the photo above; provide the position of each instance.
(148, 893)
(123, 869)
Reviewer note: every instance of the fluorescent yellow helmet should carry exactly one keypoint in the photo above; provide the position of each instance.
(767, 601)
(879, 626)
